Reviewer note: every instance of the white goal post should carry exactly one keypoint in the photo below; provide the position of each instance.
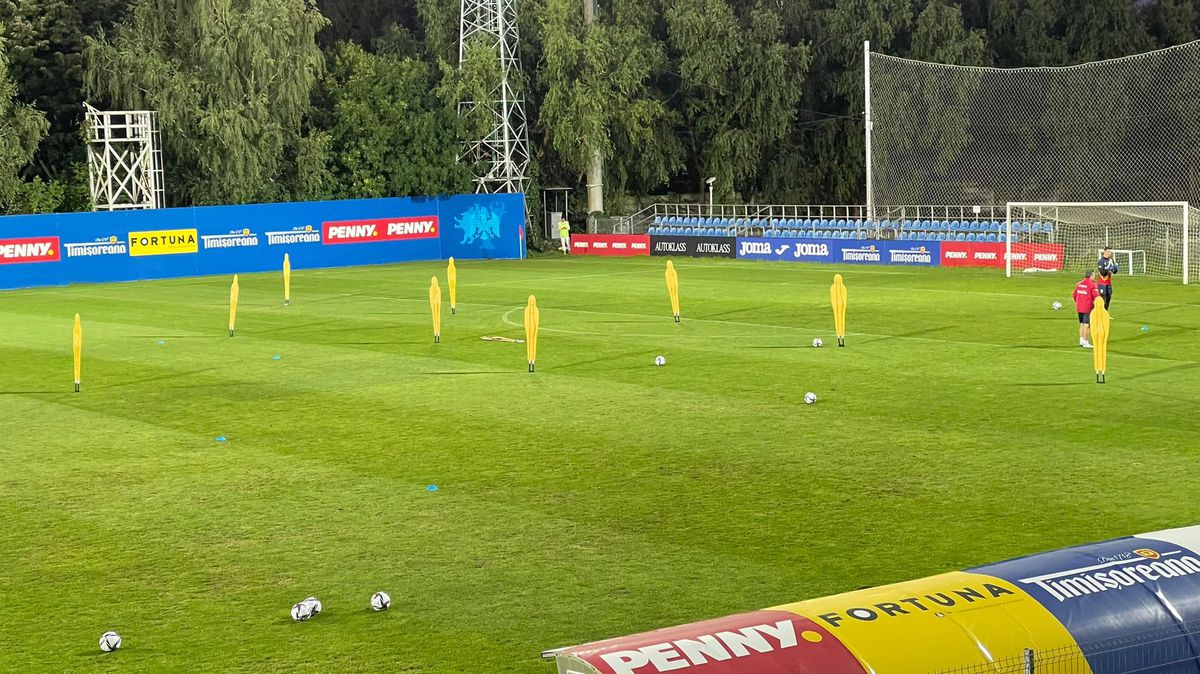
(1154, 238)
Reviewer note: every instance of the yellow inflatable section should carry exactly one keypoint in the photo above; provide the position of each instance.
(938, 623)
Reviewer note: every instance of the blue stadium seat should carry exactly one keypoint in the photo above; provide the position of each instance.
(991, 237)
(971, 237)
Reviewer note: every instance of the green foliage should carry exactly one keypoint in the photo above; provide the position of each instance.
(232, 83)
(21, 129)
(389, 136)
(767, 95)
(597, 98)
(732, 93)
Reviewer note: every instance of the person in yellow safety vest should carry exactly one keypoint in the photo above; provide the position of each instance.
(564, 236)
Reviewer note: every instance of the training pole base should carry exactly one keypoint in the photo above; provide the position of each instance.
(287, 303)
(453, 311)
(1100, 378)
(841, 341)
(77, 388)
(437, 339)
(532, 367)
(676, 318)
(231, 333)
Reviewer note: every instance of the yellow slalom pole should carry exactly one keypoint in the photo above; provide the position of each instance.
(233, 302)
(533, 319)
(673, 288)
(435, 306)
(1100, 331)
(452, 281)
(77, 351)
(287, 280)
(837, 295)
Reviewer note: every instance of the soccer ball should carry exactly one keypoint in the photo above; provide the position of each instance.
(817, 343)
(1056, 306)
(380, 601)
(810, 398)
(302, 611)
(660, 361)
(110, 641)
(314, 605)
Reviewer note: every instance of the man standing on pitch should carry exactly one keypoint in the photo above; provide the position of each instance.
(1085, 299)
(1107, 268)
(564, 236)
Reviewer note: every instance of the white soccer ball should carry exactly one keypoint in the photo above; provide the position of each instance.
(301, 612)
(1056, 306)
(110, 641)
(380, 601)
(314, 605)
(810, 398)
(660, 361)
(817, 343)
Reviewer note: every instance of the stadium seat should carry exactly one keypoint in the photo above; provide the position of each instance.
(991, 237)
(971, 237)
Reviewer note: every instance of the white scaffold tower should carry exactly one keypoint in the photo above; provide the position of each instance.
(124, 160)
(502, 155)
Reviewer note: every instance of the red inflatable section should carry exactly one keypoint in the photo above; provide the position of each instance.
(763, 642)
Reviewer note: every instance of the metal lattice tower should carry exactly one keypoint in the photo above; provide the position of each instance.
(124, 160)
(503, 154)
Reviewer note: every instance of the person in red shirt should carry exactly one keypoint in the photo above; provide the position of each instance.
(1085, 299)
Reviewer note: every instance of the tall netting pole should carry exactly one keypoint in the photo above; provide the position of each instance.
(867, 127)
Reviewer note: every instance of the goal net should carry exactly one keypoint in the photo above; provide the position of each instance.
(1122, 130)
(1147, 238)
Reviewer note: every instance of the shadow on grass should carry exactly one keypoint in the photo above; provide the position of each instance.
(475, 372)
(25, 393)
(731, 312)
(1165, 370)
(1048, 384)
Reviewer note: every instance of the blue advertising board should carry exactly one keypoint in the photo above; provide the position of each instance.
(58, 249)
(907, 253)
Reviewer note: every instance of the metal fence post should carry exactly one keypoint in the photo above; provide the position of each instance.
(1029, 661)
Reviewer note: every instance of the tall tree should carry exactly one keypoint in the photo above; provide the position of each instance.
(232, 82)
(1103, 29)
(597, 96)
(391, 137)
(1172, 22)
(1026, 33)
(730, 91)
(21, 129)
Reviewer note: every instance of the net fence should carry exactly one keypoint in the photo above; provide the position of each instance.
(1126, 129)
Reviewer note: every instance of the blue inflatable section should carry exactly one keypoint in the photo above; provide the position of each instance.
(58, 249)
(1132, 604)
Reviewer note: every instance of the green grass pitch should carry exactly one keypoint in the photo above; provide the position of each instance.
(598, 497)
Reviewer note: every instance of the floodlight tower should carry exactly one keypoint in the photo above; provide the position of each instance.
(502, 155)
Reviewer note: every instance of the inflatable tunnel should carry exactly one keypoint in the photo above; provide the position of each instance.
(1126, 605)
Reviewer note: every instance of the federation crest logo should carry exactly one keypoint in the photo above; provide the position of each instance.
(479, 225)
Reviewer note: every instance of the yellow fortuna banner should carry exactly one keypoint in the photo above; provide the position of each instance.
(937, 623)
(163, 242)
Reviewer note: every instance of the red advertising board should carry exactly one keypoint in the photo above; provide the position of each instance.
(380, 229)
(1045, 256)
(35, 249)
(610, 244)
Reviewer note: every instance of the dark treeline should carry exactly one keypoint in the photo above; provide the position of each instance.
(290, 99)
